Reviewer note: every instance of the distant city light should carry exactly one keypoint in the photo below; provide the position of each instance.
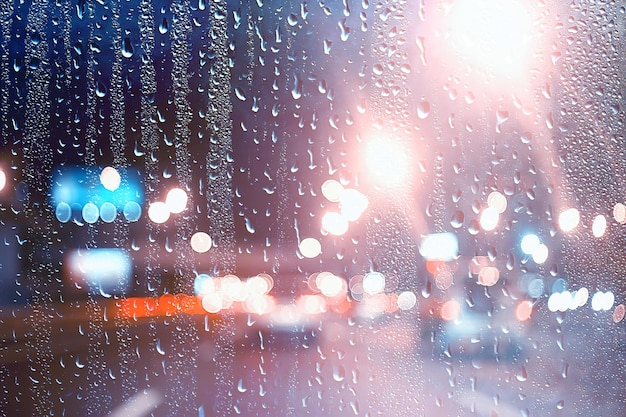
(310, 247)
(132, 211)
(540, 254)
(530, 243)
(497, 201)
(567, 300)
(373, 283)
(332, 190)
(450, 310)
(158, 212)
(524, 310)
(3, 179)
(260, 284)
(63, 212)
(387, 161)
(335, 224)
(489, 219)
(569, 219)
(108, 212)
(110, 178)
(176, 200)
(439, 246)
(201, 242)
(91, 213)
(602, 301)
(204, 284)
(488, 276)
(352, 204)
(619, 213)
(103, 271)
(406, 300)
(331, 285)
(598, 227)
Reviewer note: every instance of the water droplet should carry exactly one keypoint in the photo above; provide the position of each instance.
(127, 48)
(522, 375)
(457, 219)
(423, 109)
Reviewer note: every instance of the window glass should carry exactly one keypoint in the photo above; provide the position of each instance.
(269, 208)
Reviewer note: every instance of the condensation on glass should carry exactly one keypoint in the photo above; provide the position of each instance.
(274, 208)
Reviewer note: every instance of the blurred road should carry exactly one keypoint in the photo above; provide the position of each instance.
(335, 366)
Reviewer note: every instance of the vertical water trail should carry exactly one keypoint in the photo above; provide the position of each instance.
(219, 193)
(5, 68)
(184, 346)
(41, 272)
(394, 253)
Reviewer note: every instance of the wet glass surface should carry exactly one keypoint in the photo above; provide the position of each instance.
(273, 208)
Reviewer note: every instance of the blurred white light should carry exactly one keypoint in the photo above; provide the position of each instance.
(540, 255)
(201, 242)
(352, 204)
(110, 178)
(530, 243)
(619, 213)
(213, 302)
(158, 212)
(334, 223)
(310, 247)
(598, 227)
(103, 270)
(387, 162)
(492, 35)
(63, 212)
(259, 284)
(373, 283)
(330, 285)
(489, 219)
(176, 200)
(602, 301)
(406, 300)
(439, 246)
(497, 201)
(203, 284)
(569, 219)
(3, 179)
(332, 190)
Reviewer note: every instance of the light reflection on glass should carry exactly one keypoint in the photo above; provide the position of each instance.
(599, 225)
(201, 242)
(158, 212)
(569, 219)
(310, 247)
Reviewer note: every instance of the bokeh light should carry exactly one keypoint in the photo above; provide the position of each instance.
(619, 213)
(406, 300)
(450, 310)
(569, 219)
(497, 201)
(335, 224)
(108, 212)
(540, 254)
(110, 178)
(332, 190)
(524, 310)
(90, 213)
(530, 243)
(310, 247)
(63, 212)
(158, 212)
(3, 180)
(488, 276)
(598, 227)
(330, 284)
(387, 161)
(373, 283)
(132, 211)
(352, 204)
(489, 219)
(201, 242)
(176, 200)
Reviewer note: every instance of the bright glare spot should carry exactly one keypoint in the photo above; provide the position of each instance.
(310, 247)
(619, 213)
(406, 300)
(212, 302)
(450, 310)
(260, 284)
(439, 246)
(332, 190)
(352, 204)
(260, 305)
(312, 304)
(540, 255)
(530, 243)
(598, 227)
(334, 223)
(388, 163)
(201, 242)
(524, 310)
(176, 200)
(497, 201)
(3, 179)
(110, 178)
(373, 283)
(569, 219)
(602, 301)
(488, 276)
(158, 212)
(489, 219)
(330, 285)
(492, 35)
(204, 284)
